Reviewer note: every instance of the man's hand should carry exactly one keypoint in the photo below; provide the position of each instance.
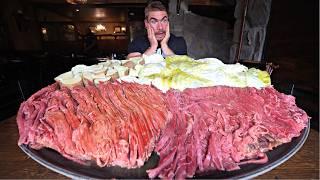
(152, 38)
(166, 37)
(164, 43)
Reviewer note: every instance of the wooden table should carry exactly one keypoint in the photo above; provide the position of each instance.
(16, 164)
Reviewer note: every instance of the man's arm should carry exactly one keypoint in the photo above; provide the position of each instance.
(181, 46)
(134, 54)
(149, 51)
(166, 50)
(135, 49)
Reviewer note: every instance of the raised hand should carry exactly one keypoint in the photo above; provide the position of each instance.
(151, 36)
(164, 43)
(166, 37)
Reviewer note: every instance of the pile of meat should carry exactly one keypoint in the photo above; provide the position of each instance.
(197, 130)
(112, 123)
(220, 128)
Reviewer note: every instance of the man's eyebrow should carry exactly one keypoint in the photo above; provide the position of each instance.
(157, 19)
(164, 17)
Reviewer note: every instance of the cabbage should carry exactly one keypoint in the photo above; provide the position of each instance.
(182, 72)
(121, 70)
(257, 78)
(135, 60)
(78, 69)
(111, 71)
(149, 69)
(154, 58)
(177, 79)
(178, 72)
(182, 62)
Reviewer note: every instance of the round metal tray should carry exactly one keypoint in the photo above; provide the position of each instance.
(54, 161)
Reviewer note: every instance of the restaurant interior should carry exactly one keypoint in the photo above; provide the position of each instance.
(41, 39)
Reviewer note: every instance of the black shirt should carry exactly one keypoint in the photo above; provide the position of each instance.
(141, 44)
(90, 44)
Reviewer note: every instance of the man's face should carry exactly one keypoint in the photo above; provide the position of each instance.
(158, 21)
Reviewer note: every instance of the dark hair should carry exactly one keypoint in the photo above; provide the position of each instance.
(154, 6)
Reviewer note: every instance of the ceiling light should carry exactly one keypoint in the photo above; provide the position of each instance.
(100, 27)
(44, 30)
(100, 13)
(77, 1)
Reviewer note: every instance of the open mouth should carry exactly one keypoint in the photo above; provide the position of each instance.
(160, 35)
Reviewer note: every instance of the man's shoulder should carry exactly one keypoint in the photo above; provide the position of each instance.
(176, 38)
(138, 44)
(178, 44)
(142, 38)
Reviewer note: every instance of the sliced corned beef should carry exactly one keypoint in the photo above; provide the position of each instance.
(110, 123)
(222, 127)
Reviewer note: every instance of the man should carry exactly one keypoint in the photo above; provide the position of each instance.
(90, 43)
(159, 39)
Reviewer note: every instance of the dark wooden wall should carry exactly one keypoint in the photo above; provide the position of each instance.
(293, 44)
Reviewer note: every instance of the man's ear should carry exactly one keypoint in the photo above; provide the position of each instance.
(146, 23)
